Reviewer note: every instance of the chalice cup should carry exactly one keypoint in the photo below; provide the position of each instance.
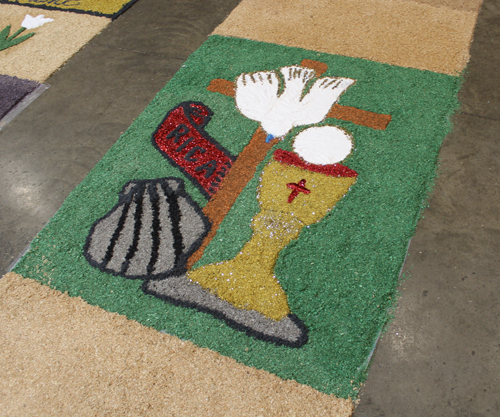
(291, 194)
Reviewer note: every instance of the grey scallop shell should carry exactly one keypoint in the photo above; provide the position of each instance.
(150, 233)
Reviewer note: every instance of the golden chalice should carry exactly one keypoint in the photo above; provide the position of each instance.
(292, 194)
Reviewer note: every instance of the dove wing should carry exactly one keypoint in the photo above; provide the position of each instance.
(295, 79)
(256, 94)
(316, 104)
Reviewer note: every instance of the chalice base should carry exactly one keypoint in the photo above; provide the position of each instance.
(289, 331)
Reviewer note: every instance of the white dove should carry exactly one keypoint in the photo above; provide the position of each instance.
(257, 97)
(31, 22)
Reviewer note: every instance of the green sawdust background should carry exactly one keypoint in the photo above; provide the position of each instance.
(340, 276)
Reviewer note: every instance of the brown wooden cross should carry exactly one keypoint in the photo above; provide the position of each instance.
(252, 155)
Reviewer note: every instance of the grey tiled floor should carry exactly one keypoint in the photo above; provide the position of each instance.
(441, 354)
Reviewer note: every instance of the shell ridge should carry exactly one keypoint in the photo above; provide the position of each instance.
(154, 198)
(138, 198)
(175, 219)
(116, 235)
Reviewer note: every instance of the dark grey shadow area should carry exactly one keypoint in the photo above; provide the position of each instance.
(12, 91)
(52, 145)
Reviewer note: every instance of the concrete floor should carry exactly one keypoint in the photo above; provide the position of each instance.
(441, 354)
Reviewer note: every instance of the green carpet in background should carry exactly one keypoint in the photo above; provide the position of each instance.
(340, 275)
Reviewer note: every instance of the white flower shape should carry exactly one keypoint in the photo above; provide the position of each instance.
(31, 22)
(257, 97)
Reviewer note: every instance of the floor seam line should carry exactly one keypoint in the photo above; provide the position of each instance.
(482, 117)
(137, 52)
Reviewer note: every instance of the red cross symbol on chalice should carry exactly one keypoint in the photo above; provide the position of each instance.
(296, 189)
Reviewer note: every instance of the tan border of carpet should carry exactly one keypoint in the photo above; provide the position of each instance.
(60, 356)
(396, 32)
(465, 5)
(51, 46)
